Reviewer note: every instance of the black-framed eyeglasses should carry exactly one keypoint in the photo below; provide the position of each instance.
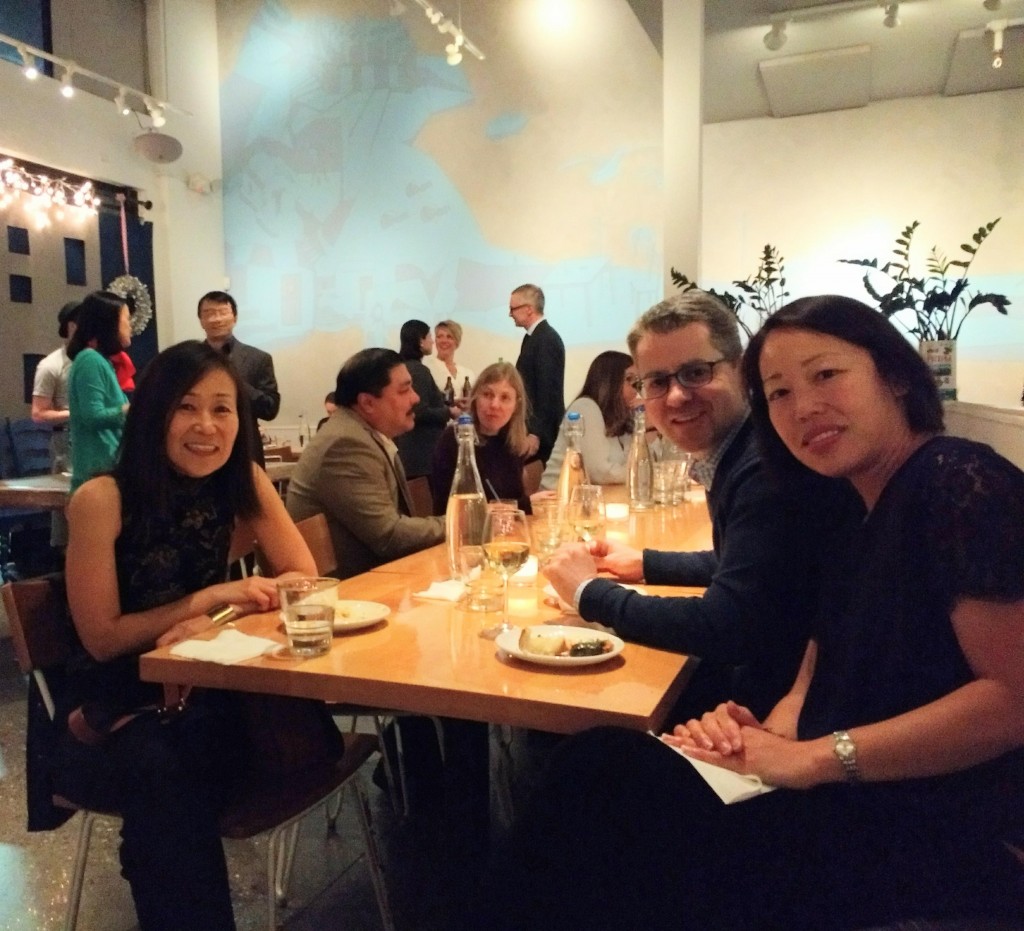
(512, 310)
(689, 375)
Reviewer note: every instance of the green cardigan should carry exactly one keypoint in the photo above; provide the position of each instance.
(96, 402)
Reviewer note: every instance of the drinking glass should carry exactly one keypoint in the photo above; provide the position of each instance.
(586, 512)
(506, 549)
(547, 530)
(308, 607)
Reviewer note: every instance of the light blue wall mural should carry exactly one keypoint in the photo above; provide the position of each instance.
(334, 218)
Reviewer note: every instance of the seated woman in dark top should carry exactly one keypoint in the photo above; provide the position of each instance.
(898, 752)
(146, 564)
(498, 407)
(416, 447)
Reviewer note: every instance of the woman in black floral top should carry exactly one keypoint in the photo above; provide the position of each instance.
(146, 565)
(898, 752)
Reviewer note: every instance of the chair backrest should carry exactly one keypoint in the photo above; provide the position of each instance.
(41, 630)
(422, 500)
(317, 535)
(532, 472)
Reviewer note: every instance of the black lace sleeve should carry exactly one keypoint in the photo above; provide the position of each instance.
(972, 504)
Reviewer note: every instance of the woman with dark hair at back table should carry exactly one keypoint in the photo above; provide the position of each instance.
(416, 447)
(898, 754)
(95, 398)
(147, 559)
(605, 405)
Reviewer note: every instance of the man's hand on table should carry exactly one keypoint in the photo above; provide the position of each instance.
(622, 561)
(570, 565)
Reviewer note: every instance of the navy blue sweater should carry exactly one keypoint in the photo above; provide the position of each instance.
(751, 626)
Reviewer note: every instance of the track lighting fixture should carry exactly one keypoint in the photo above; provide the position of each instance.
(997, 27)
(892, 15)
(66, 87)
(30, 55)
(29, 68)
(775, 38)
(121, 103)
(459, 40)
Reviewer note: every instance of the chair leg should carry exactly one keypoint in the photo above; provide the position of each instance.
(397, 790)
(78, 871)
(373, 855)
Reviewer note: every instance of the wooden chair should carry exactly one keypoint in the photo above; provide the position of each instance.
(422, 499)
(532, 472)
(317, 534)
(43, 641)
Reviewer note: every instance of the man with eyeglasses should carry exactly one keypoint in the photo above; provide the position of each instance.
(541, 363)
(752, 623)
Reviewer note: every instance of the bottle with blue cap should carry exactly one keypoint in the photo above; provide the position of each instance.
(574, 472)
(467, 507)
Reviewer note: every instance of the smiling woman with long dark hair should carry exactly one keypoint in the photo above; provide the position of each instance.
(147, 559)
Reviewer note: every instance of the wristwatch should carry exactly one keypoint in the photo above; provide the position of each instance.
(222, 614)
(846, 752)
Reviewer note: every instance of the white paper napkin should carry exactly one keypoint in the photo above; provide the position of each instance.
(449, 590)
(729, 786)
(229, 646)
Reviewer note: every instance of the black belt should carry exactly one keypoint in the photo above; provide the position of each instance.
(59, 428)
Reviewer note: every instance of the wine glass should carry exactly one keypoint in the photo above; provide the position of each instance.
(546, 529)
(506, 549)
(586, 512)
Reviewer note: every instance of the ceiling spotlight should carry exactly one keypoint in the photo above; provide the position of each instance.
(992, 5)
(29, 68)
(996, 27)
(66, 87)
(776, 37)
(892, 15)
(156, 113)
(121, 103)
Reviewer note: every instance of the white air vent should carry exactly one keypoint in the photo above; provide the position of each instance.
(814, 83)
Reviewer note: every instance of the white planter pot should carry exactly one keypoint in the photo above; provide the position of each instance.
(940, 354)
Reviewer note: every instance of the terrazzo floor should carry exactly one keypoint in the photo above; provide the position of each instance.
(331, 886)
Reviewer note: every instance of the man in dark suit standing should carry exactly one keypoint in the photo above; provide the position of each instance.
(542, 364)
(218, 314)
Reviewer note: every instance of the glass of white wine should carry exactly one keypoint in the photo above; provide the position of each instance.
(506, 549)
(586, 512)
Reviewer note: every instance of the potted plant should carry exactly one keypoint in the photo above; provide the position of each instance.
(762, 293)
(941, 301)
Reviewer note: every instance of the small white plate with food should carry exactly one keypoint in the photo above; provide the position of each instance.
(558, 645)
(352, 615)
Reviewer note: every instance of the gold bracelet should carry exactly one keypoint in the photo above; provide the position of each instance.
(222, 614)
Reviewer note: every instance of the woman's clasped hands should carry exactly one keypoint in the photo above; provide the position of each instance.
(731, 737)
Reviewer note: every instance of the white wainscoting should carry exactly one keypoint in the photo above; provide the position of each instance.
(1002, 428)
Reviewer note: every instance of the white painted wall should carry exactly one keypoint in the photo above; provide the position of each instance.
(843, 185)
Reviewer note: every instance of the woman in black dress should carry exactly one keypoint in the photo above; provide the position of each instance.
(147, 563)
(432, 414)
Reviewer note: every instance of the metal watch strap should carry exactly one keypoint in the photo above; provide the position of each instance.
(846, 752)
(222, 614)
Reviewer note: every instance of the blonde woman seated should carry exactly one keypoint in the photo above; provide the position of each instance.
(605, 404)
(442, 365)
(498, 408)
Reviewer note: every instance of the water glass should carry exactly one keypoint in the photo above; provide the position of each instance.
(308, 607)
(665, 475)
(585, 513)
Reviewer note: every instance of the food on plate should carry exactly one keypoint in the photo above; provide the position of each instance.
(543, 642)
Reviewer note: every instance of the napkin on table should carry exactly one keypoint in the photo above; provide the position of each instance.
(448, 590)
(229, 646)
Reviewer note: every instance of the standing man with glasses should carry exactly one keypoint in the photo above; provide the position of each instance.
(541, 363)
(751, 625)
(218, 314)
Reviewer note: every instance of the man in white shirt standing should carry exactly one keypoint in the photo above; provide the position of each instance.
(50, 406)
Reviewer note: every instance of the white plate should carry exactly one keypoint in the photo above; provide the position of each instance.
(508, 642)
(352, 615)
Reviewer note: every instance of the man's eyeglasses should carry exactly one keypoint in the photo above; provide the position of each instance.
(512, 310)
(690, 375)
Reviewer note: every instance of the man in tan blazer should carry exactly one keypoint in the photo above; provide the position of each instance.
(350, 471)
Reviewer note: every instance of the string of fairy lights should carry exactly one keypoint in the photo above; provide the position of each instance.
(44, 196)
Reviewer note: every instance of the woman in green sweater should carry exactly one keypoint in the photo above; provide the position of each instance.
(95, 399)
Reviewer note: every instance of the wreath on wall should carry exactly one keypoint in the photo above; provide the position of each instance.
(137, 296)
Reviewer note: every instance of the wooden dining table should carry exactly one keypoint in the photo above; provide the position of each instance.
(427, 657)
(50, 492)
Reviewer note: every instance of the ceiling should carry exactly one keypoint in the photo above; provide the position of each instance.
(839, 55)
